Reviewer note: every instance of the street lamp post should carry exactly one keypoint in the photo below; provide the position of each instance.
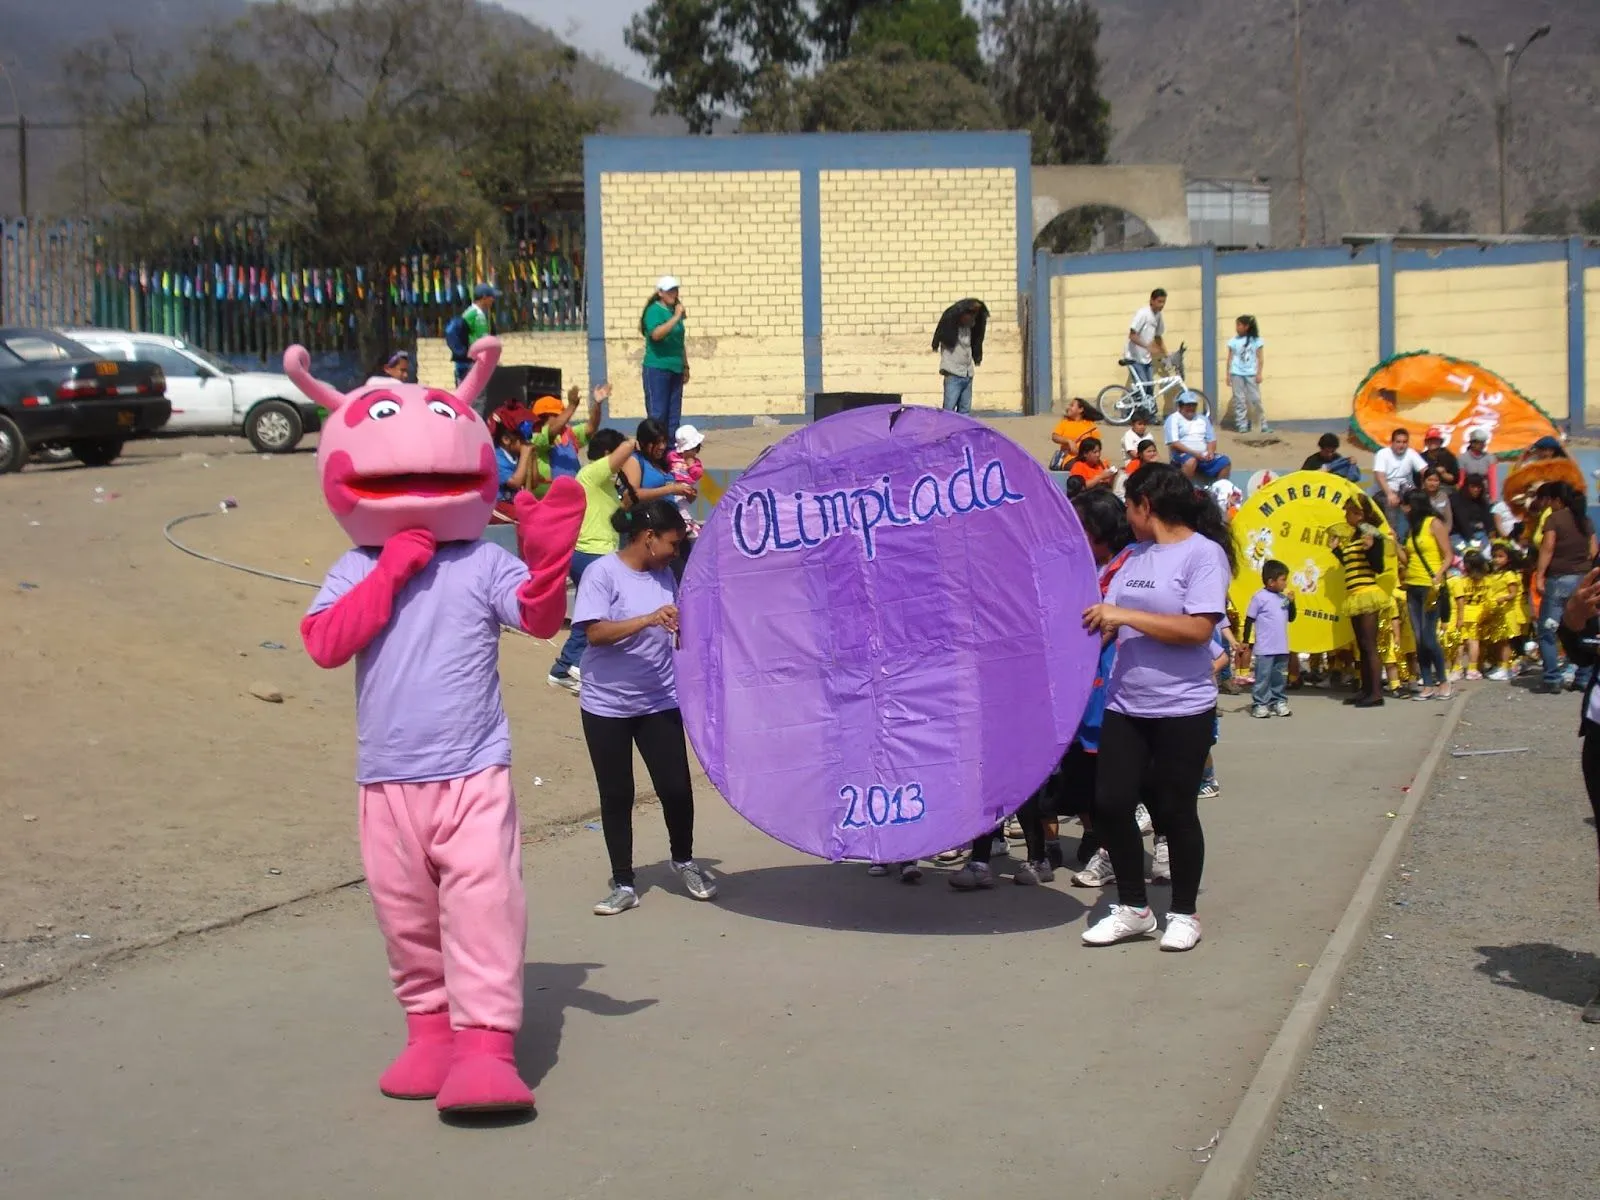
(1502, 102)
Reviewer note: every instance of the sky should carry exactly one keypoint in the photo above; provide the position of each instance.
(593, 26)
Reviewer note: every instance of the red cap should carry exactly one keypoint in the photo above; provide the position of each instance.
(1433, 432)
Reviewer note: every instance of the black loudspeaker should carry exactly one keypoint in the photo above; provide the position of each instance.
(519, 385)
(543, 381)
(825, 404)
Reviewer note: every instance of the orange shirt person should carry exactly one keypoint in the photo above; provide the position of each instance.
(1090, 467)
(1069, 433)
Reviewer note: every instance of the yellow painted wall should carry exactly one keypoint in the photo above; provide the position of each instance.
(1091, 315)
(1591, 338)
(1320, 328)
(893, 260)
(567, 351)
(1513, 320)
(733, 239)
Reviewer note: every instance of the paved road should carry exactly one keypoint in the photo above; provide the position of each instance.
(1454, 1063)
(818, 1032)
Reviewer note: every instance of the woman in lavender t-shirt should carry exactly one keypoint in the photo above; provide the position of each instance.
(627, 606)
(1161, 702)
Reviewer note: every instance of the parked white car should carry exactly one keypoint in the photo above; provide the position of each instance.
(211, 395)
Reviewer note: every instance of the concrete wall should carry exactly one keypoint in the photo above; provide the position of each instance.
(1320, 327)
(1591, 292)
(1091, 314)
(1158, 196)
(1512, 319)
(567, 351)
(809, 263)
(890, 258)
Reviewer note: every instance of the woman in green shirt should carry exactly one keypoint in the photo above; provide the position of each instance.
(666, 366)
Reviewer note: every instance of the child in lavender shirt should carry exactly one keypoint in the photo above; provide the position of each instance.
(1271, 609)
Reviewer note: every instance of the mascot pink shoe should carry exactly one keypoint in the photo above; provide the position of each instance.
(409, 472)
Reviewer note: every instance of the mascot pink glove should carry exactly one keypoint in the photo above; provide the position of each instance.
(546, 533)
(336, 635)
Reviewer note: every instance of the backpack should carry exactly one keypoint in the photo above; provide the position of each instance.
(457, 337)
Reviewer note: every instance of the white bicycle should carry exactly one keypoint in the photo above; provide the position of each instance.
(1118, 402)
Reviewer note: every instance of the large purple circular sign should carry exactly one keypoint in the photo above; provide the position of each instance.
(882, 642)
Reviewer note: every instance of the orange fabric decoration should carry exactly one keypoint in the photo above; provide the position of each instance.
(1408, 390)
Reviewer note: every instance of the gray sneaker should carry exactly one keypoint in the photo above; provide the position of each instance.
(620, 900)
(972, 877)
(1030, 873)
(697, 880)
(1098, 873)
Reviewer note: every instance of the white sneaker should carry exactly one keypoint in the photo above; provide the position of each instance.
(1260, 711)
(1098, 873)
(1161, 863)
(1183, 932)
(1146, 826)
(1280, 708)
(1122, 925)
(568, 683)
(1499, 675)
(576, 674)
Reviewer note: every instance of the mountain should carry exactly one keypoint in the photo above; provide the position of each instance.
(1396, 111)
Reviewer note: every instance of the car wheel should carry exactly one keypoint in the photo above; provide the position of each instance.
(96, 453)
(53, 452)
(13, 449)
(274, 427)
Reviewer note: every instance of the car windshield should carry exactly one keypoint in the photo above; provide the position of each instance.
(212, 361)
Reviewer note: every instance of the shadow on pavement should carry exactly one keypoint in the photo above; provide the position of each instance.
(1566, 976)
(844, 896)
(548, 990)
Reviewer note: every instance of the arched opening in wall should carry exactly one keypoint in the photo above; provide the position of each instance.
(1092, 228)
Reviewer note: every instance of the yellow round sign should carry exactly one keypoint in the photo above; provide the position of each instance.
(1292, 520)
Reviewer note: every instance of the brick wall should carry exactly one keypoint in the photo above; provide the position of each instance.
(899, 247)
(733, 239)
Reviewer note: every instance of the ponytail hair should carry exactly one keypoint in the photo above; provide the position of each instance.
(1173, 499)
(658, 516)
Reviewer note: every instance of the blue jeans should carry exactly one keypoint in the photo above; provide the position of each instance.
(1272, 680)
(1425, 631)
(1558, 590)
(577, 642)
(1399, 522)
(958, 393)
(663, 399)
(1144, 373)
(461, 371)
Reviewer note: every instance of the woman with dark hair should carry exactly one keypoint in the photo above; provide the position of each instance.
(1359, 546)
(1161, 702)
(1566, 548)
(628, 613)
(1424, 559)
(666, 357)
(647, 476)
(1471, 519)
(1580, 634)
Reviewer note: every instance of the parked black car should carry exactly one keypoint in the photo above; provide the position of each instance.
(55, 392)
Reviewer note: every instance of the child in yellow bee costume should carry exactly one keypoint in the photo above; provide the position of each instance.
(1474, 587)
(1503, 625)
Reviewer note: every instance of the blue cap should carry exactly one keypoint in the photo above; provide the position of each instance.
(1187, 397)
(485, 290)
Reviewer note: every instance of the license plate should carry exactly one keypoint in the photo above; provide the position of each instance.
(105, 368)
(125, 419)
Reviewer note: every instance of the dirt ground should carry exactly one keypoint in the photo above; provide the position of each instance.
(144, 789)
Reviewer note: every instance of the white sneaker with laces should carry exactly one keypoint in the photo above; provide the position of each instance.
(1142, 815)
(1098, 873)
(1183, 932)
(567, 683)
(1123, 924)
(1280, 708)
(1161, 863)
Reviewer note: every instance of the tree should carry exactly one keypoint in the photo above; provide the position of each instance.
(362, 128)
(886, 90)
(934, 31)
(1589, 217)
(1045, 76)
(1431, 220)
(1547, 218)
(709, 56)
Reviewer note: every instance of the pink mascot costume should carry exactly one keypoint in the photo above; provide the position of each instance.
(409, 473)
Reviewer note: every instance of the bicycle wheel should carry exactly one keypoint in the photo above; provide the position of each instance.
(1117, 403)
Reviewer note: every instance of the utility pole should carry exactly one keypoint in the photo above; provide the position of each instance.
(22, 140)
(1299, 123)
(1502, 101)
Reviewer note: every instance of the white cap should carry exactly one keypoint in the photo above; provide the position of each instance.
(667, 283)
(688, 438)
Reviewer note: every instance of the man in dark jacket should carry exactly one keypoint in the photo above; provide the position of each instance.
(959, 341)
(1327, 458)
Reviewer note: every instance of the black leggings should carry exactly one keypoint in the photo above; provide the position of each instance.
(659, 736)
(1159, 760)
(1365, 626)
(1591, 774)
(1031, 817)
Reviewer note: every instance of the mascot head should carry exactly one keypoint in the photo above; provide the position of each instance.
(397, 456)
